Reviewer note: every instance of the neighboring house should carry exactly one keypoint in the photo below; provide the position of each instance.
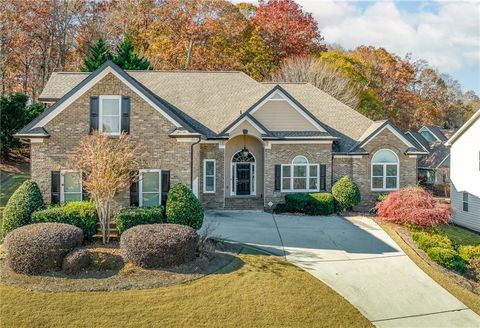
(434, 167)
(465, 174)
(237, 142)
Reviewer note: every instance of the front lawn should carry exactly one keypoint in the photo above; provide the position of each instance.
(459, 235)
(265, 291)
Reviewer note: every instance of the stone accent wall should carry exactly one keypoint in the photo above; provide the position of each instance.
(284, 154)
(217, 199)
(147, 126)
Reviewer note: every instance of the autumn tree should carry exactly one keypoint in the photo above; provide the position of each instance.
(287, 29)
(108, 164)
(320, 74)
(97, 55)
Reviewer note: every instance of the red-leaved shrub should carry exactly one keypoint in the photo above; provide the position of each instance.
(415, 206)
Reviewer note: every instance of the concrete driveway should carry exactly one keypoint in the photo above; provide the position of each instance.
(356, 258)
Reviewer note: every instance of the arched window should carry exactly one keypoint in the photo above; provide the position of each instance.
(243, 157)
(300, 175)
(385, 170)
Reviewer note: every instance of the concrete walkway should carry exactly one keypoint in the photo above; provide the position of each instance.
(356, 258)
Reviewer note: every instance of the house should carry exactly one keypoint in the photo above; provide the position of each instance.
(465, 174)
(237, 142)
(434, 167)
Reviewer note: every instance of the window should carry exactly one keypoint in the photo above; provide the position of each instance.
(385, 170)
(110, 113)
(209, 176)
(71, 186)
(465, 201)
(300, 175)
(428, 136)
(150, 190)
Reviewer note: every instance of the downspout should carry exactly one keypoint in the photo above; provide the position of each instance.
(191, 160)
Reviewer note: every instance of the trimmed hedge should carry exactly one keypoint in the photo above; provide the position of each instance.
(183, 207)
(311, 204)
(76, 261)
(159, 245)
(447, 258)
(133, 216)
(346, 193)
(24, 201)
(41, 247)
(80, 214)
(469, 252)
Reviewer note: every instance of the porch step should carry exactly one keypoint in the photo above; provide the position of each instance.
(113, 232)
(244, 203)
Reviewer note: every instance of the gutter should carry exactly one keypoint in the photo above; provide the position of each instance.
(191, 161)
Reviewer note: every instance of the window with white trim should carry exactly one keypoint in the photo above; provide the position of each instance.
(385, 170)
(150, 193)
(110, 115)
(208, 175)
(300, 176)
(71, 186)
(465, 201)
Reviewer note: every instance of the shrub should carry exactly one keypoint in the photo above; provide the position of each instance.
(103, 261)
(80, 214)
(469, 253)
(426, 241)
(41, 247)
(133, 216)
(75, 261)
(159, 245)
(381, 197)
(311, 204)
(474, 267)
(183, 207)
(24, 201)
(447, 258)
(346, 193)
(414, 206)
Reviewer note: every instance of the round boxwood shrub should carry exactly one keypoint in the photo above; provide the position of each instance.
(183, 207)
(41, 247)
(133, 216)
(76, 261)
(311, 204)
(346, 193)
(447, 258)
(159, 245)
(80, 214)
(24, 201)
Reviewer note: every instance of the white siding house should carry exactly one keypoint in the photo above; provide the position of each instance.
(465, 174)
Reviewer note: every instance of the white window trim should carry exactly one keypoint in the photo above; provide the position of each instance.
(100, 115)
(140, 185)
(62, 185)
(291, 165)
(384, 176)
(205, 191)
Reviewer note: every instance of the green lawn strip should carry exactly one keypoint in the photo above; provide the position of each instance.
(254, 291)
(459, 235)
(9, 185)
(464, 295)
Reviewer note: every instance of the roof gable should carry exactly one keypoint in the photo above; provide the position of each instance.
(463, 128)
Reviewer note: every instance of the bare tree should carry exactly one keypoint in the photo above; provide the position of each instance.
(108, 165)
(319, 73)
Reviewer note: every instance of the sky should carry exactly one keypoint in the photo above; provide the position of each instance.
(445, 33)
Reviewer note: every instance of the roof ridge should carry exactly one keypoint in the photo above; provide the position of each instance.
(273, 82)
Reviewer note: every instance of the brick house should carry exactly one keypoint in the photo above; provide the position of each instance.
(237, 142)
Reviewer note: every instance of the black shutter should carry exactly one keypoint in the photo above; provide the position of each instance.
(165, 186)
(94, 102)
(278, 177)
(323, 177)
(55, 187)
(85, 194)
(134, 189)
(125, 114)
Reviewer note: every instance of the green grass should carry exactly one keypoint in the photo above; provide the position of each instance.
(459, 235)
(263, 292)
(9, 185)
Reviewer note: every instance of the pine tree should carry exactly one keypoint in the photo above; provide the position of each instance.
(127, 58)
(97, 55)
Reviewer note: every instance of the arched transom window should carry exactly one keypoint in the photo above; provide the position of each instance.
(300, 175)
(385, 170)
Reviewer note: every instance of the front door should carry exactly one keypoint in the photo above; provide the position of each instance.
(243, 178)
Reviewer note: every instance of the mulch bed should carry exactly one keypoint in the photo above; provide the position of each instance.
(466, 281)
(120, 275)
